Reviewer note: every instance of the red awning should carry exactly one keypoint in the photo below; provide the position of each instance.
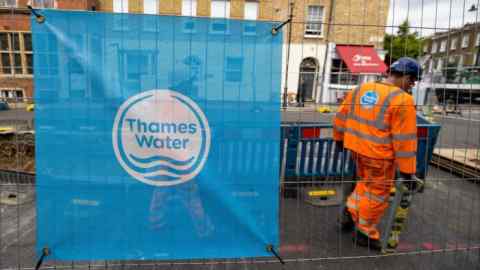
(361, 59)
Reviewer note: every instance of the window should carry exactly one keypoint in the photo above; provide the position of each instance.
(430, 65)
(251, 10)
(150, 6)
(233, 69)
(439, 64)
(8, 3)
(425, 48)
(139, 64)
(220, 9)
(443, 46)
(465, 40)
(453, 44)
(341, 75)
(434, 47)
(477, 42)
(189, 7)
(460, 61)
(11, 94)
(219, 27)
(249, 29)
(43, 3)
(313, 27)
(120, 6)
(188, 26)
(451, 59)
(16, 53)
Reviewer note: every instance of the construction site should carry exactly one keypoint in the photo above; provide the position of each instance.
(435, 225)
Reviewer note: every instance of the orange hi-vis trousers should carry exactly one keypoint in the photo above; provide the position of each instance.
(369, 200)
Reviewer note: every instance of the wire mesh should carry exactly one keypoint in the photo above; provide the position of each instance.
(443, 225)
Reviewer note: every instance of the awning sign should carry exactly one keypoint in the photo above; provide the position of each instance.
(157, 136)
(361, 59)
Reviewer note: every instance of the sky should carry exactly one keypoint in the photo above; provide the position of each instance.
(430, 16)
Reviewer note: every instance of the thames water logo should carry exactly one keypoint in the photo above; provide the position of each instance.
(161, 137)
(369, 99)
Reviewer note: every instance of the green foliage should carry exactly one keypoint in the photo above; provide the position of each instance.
(404, 43)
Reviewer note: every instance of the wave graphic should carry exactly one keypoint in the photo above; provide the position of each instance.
(156, 158)
(160, 172)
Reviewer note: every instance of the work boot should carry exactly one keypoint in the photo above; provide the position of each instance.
(360, 239)
(345, 222)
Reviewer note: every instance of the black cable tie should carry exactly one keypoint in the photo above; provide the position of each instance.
(280, 26)
(39, 18)
(45, 253)
(290, 18)
(271, 249)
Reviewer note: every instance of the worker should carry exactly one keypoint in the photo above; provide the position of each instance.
(377, 123)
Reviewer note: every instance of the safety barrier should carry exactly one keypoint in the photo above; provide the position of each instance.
(308, 150)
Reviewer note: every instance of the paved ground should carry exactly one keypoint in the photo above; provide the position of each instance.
(445, 217)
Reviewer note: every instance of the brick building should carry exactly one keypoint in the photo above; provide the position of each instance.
(319, 29)
(16, 60)
(456, 49)
(318, 26)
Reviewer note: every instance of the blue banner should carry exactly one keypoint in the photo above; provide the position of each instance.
(157, 136)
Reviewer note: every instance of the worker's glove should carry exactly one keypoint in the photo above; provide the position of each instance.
(411, 181)
(406, 180)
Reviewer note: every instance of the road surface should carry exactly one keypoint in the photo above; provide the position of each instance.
(443, 232)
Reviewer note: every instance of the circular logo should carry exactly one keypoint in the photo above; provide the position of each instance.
(161, 137)
(369, 99)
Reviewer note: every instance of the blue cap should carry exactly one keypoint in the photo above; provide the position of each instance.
(407, 66)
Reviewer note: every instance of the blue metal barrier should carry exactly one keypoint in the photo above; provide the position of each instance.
(427, 134)
(308, 150)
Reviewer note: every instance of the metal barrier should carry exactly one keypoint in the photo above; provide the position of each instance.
(443, 226)
(308, 152)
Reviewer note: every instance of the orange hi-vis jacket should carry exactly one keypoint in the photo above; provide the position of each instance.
(378, 120)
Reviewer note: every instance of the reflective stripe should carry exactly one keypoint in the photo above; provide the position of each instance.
(355, 196)
(405, 137)
(363, 231)
(354, 97)
(386, 104)
(405, 154)
(374, 197)
(352, 206)
(341, 116)
(380, 121)
(373, 123)
(362, 221)
(386, 140)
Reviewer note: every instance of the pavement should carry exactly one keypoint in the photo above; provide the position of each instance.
(443, 232)
(443, 229)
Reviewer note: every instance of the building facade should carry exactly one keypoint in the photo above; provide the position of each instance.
(320, 30)
(315, 68)
(16, 63)
(447, 54)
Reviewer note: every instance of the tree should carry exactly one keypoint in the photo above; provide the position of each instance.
(404, 43)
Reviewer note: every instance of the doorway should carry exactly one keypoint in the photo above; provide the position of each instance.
(307, 82)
